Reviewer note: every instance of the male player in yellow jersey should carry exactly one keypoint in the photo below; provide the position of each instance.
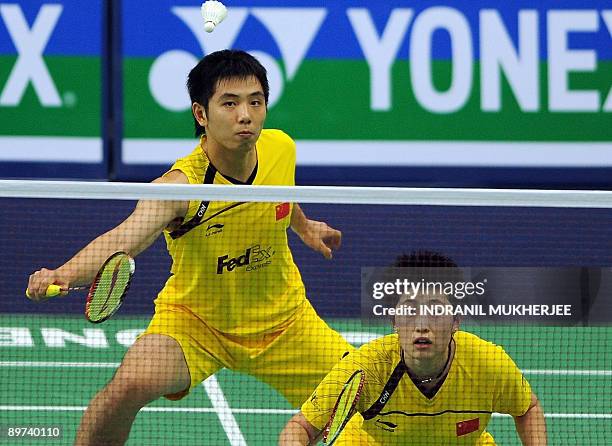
(428, 384)
(235, 297)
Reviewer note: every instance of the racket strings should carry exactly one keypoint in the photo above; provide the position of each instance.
(345, 407)
(109, 287)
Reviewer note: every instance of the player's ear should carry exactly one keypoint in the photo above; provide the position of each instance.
(199, 113)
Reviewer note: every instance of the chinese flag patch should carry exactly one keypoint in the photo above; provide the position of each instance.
(466, 427)
(282, 210)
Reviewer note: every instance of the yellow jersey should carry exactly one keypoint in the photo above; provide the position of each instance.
(482, 379)
(231, 264)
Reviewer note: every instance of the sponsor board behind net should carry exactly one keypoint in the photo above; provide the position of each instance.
(51, 60)
(497, 63)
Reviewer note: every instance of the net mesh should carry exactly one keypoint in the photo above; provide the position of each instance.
(234, 303)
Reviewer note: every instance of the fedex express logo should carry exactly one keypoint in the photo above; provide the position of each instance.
(253, 258)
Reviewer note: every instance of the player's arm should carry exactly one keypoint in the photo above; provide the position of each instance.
(317, 235)
(133, 235)
(531, 426)
(299, 432)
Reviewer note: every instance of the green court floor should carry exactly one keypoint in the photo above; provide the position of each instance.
(51, 366)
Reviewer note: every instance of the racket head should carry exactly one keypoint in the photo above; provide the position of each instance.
(109, 287)
(345, 407)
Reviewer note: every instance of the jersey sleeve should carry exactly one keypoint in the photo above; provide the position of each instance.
(318, 408)
(512, 391)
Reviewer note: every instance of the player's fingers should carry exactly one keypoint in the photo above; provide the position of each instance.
(31, 279)
(34, 285)
(38, 283)
(335, 239)
(33, 294)
(44, 279)
(325, 250)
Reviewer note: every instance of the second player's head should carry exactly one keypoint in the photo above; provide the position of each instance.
(421, 335)
(224, 83)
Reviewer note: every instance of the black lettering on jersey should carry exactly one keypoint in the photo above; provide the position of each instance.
(387, 392)
(384, 397)
(254, 259)
(224, 262)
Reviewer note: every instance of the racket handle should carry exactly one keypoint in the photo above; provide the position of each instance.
(52, 291)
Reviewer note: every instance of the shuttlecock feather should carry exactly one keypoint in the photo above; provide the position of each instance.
(213, 13)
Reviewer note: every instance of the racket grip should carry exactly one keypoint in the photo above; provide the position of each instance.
(52, 291)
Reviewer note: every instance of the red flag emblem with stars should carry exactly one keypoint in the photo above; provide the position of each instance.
(282, 210)
(468, 426)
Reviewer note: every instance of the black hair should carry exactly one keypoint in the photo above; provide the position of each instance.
(426, 266)
(424, 259)
(220, 65)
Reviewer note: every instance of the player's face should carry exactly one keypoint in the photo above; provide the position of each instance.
(425, 336)
(236, 113)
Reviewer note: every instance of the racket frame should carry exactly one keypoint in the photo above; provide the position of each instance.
(351, 411)
(94, 286)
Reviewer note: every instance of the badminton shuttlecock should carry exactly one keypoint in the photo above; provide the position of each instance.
(213, 13)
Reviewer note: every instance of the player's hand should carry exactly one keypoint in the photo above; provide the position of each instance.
(41, 279)
(321, 237)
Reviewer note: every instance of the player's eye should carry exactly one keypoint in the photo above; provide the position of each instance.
(229, 104)
(256, 102)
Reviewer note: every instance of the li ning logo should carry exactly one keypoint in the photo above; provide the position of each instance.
(214, 229)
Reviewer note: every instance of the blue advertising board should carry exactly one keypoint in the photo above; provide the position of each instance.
(437, 92)
(52, 89)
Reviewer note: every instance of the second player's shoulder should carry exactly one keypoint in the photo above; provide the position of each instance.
(479, 353)
(473, 345)
(381, 353)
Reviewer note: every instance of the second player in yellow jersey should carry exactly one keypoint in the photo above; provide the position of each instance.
(428, 384)
(482, 380)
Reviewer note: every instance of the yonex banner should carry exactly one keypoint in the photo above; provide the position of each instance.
(358, 83)
(50, 88)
